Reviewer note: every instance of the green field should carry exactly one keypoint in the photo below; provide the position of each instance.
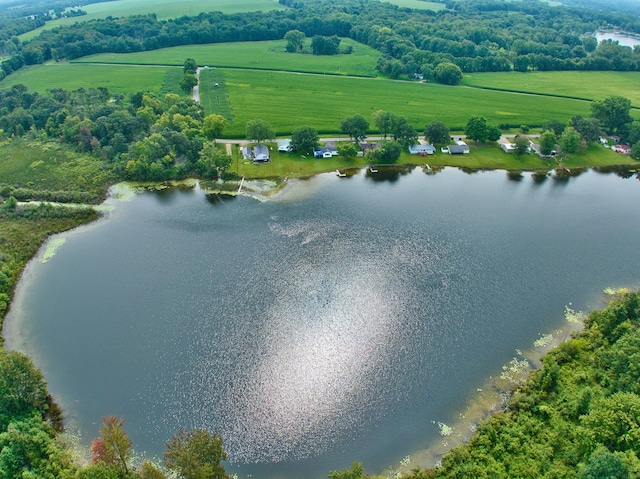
(419, 4)
(288, 100)
(588, 85)
(118, 79)
(269, 55)
(163, 9)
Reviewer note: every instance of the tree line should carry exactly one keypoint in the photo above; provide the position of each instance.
(475, 35)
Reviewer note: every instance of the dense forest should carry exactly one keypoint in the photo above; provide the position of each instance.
(476, 35)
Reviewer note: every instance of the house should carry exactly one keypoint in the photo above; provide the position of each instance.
(323, 152)
(422, 150)
(369, 146)
(622, 149)
(247, 153)
(508, 147)
(284, 146)
(260, 153)
(460, 148)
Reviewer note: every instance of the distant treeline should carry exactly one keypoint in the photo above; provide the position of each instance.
(476, 35)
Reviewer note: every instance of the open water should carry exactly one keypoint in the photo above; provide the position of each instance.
(338, 321)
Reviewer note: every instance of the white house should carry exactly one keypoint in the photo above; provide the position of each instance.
(260, 153)
(284, 146)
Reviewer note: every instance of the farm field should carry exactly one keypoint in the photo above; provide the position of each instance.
(117, 78)
(589, 85)
(418, 4)
(288, 100)
(163, 9)
(269, 55)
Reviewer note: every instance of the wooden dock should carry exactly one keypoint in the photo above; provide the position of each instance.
(241, 183)
(341, 175)
(372, 169)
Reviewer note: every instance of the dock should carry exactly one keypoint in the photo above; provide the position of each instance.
(373, 169)
(241, 183)
(341, 175)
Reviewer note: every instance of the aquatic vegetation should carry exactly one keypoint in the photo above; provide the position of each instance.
(573, 316)
(52, 248)
(543, 340)
(515, 371)
(445, 430)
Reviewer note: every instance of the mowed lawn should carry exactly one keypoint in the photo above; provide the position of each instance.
(289, 100)
(116, 78)
(164, 9)
(581, 84)
(269, 55)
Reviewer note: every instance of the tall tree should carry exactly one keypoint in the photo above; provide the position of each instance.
(383, 120)
(476, 129)
(521, 146)
(356, 127)
(190, 66)
(295, 41)
(304, 139)
(437, 133)
(402, 131)
(548, 142)
(259, 130)
(613, 112)
(448, 73)
(213, 125)
(569, 140)
(116, 442)
(187, 82)
(589, 128)
(196, 454)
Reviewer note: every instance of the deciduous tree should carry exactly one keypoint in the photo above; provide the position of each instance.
(295, 41)
(190, 66)
(448, 73)
(569, 140)
(304, 139)
(548, 142)
(259, 131)
(213, 125)
(613, 112)
(188, 81)
(437, 133)
(116, 442)
(476, 129)
(356, 127)
(196, 454)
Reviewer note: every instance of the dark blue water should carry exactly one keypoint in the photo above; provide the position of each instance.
(338, 321)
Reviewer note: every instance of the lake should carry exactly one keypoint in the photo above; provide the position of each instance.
(340, 320)
(622, 38)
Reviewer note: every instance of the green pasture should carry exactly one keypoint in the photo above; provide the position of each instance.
(164, 9)
(269, 55)
(576, 84)
(288, 100)
(418, 4)
(117, 78)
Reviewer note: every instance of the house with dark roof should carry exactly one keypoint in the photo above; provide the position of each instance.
(459, 149)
